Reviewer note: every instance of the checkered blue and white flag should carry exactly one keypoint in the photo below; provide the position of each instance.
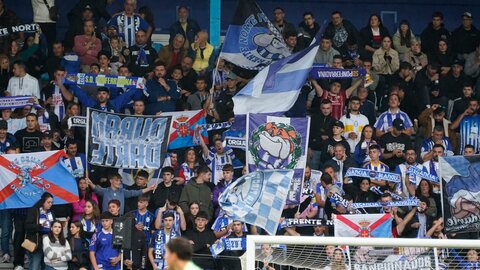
(258, 198)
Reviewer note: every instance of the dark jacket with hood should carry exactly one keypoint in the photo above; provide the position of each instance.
(430, 38)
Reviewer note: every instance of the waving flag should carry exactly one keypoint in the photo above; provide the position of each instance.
(183, 126)
(252, 42)
(276, 87)
(461, 177)
(258, 198)
(362, 225)
(25, 177)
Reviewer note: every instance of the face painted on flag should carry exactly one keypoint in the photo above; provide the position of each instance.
(276, 145)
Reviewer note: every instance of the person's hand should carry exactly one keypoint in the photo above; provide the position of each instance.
(89, 182)
(115, 260)
(152, 187)
(128, 262)
(191, 242)
(469, 111)
(297, 215)
(435, 77)
(435, 106)
(179, 210)
(162, 82)
(139, 226)
(416, 225)
(352, 136)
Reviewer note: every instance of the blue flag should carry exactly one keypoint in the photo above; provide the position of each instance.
(252, 42)
(25, 177)
(258, 198)
(275, 89)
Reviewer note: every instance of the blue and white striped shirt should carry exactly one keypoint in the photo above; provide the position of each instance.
(428, 144)
(216, 162)
(385, 120)
(128, 27)
(469, 132)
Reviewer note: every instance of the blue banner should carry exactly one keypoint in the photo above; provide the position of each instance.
(279, 143)
(125, 141)
(105, 80)
(322, 72)
(14, 102)
(366, 173)
(413, 170)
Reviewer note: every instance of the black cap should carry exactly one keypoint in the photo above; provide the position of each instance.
(457, 62)
(398, 124)
(467, 14)
(87, 7)
(3, 124)
(338, 124)
(47, 134)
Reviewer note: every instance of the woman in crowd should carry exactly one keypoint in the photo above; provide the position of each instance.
(56, 249)
(85, 194)
(386, 62)
(371, 35)
(364, 195)
(37, 224)
(415, 56)
(79, 247)
(425, 188)
(361, 149)
(91, 219)
(194, 208)
(402, 38)
(444, 57)
(187, 169)
(5, 72)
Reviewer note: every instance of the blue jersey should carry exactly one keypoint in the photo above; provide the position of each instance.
(9, 140)
(146, 219)
(77, 165)
(385, 120)
(469, 132)
(102, 244)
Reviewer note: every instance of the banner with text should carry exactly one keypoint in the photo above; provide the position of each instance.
(105, 80)
(28, 27)
(125, 141)
(278, 143)
(461, 177)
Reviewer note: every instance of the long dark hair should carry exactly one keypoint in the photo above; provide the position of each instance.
(380, 24)
(88, 191)
(418, 191)
(79, 225)
(43, 199)
(61, 237)
(362, 137)
(405, 40)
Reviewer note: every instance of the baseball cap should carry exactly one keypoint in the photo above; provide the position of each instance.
(47, 134)
(457, 62)
(3, 124)
(398, 124)
(467, 14)
(87, 7)
(338, 124)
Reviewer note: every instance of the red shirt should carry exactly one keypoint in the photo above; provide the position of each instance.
(338, 103)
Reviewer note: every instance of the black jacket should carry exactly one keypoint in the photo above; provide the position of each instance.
(366, 38)
(464, 41)
(201, 240)
(192, 29)
(131, 55)
(341, 44)
(138, 251)
(319, 125)
(33, 229)
(430, 38)
(162, 193)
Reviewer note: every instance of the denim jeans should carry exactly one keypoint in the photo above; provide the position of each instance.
(6, 225)
(36, 260)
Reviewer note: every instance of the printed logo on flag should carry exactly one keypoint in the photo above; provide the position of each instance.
(276, 145)
(25, 167)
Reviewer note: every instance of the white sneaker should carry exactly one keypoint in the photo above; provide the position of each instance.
(19, 267)
(6, 258)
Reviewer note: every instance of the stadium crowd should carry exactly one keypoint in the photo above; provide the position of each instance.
(414, 105)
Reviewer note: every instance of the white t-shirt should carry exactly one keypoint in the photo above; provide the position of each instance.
(353, 124)
(24, 86)
(40, 11)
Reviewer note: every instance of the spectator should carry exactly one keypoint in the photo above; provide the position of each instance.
(291, 41)
(187, 169)
(79, 247)
(341, 162)
(203, 53)
(374, 164)
(8, 18)
(37, 224)
(404, 78)
(402, 39)
(185, 26)
(197, 190)
(224, 103)
(326, 52)
(320, 130)
(196, 101)
(432, 165)
(327, 147)
(386, 61)
(141, 56)
(465, 38)
(216, 157)
(141, 182)
(85, 194)
(91, 219)
(5, 72)
(307, 30)
(162, 93)
(98, 9)
(394, 144)
(354, 122)
(76, 23)
(415, 56)
(472, 65)
(54, 59)
(146, 14)
(201, 238)
(425, 79)
(226, 180)
(385, 120)
(173, 53)
(367, 107)
(371, 36)
(435, 116)
(461, 104)
(438, 137)
(280, 23)
(341, 30)
(22, 83)
(56, 249)
(156, 248)
(6, 138)
(46, 21)
(29, 137)
(466, 123)
(75, 162)
(336, 95)
(104, 63)
(433, 33)
(87, 46)
(402, 170)
(168, 189)
(129, 23)
(361, 149)
(189, 76)
(171, 206)
(469, 150)
(442, 56)
(102, 252)
(116, 192)
(451, 85)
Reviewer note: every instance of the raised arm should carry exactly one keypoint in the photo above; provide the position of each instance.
(318, 89)
(205, 150)
(353, 87)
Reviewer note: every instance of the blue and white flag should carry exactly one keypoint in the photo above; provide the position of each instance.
(126, 141)
(14, 102)
(279, 143)
(363, 225)
(461, 177)
(322, 72)
(366, 173)
(105, 80)
(258, 198)
(276, 87)
(252, 41)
